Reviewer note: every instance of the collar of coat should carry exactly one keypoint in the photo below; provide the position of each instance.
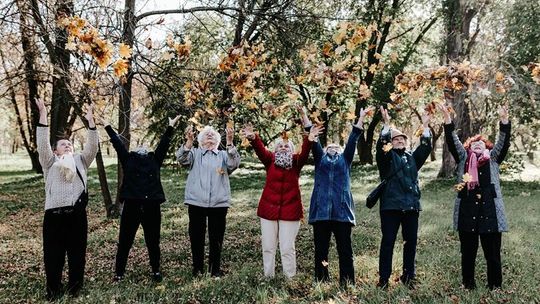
(215, 151)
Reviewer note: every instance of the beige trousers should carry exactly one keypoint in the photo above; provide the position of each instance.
(285, 233)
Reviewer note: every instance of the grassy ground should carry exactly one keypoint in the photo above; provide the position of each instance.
(438, 266)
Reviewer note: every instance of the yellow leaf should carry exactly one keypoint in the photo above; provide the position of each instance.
(499, 77)
(120, 67)
(245, 143)
(124, 51)
(252, 105)
(350, 115)
(459, 187)
(324, 263)
(467, 177)
(91, 83)
(387, 147)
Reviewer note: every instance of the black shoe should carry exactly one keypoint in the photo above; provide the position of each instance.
(382, 284)
(469, 285)
(409, 282)
(217, 274)
(157, 277)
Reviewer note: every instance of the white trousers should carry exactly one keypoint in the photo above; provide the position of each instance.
(285, 233)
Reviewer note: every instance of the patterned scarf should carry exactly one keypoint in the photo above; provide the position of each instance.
(284, 159)
(66, 164)
(474, 162)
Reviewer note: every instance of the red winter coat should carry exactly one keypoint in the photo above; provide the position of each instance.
(281, 198)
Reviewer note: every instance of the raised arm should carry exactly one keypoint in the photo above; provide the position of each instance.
(233, 157)
(455, 147)
(263, 154)
(90, 149)
(421, 153)
(185, 154)
(383, 157)
(357, 131)
(46, 155)
(500, 150)
(117, 143)
(165, 141)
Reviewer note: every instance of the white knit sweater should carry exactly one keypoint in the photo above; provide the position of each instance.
(58, 191)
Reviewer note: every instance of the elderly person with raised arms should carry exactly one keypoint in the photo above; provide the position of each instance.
(141, 193)
(400, 200)
(65, 226)
(280, 207)
(332, 209)
(208, 192)
(479, 208)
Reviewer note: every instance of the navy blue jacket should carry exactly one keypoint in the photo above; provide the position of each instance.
(402, 191)
(142, 180)
(331, 198)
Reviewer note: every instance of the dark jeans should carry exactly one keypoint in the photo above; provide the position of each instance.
(390, 222)
(322, 232)
(491, 244)
(197, 232)
(64, 232)
(134, 213)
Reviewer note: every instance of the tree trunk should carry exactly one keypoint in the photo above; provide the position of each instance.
(458, 17)
(124, 113)
(111, 209)
(365, 144)
(62, 99)
(29, 56)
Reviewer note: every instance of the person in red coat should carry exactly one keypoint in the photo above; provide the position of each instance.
(280, 207)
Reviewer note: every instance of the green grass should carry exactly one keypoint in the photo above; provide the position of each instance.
(438, 261)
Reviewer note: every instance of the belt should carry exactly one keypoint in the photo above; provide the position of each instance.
(61, 210)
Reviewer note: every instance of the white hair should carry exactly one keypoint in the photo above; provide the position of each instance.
(280, 140)
(205, 130)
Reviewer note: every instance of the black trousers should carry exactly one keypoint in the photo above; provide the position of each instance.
(65, 231)
(198, 217)
(135, 213)
(322, 232)
(390, 222)
(491, 244)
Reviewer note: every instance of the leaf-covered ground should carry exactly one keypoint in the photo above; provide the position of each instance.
(438, 262)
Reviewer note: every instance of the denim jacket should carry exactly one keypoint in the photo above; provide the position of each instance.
(332, 199)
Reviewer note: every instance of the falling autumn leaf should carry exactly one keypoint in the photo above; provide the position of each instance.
(324, 263)
(148, 43)
(467, 177)
(120, 67)
(387, 147)
(124, 51)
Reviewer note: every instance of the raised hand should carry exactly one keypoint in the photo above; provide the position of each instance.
(42, 111)
(503, 114)
(426, 118)
(229, 136)
(303, 115)
(190, 135)
(248, 132)
(363, 113)
(173, 121)
(446, 113)
(90, 116)
(314, 132)
(385, 116)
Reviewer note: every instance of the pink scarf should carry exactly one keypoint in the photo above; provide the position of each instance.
(474, 162)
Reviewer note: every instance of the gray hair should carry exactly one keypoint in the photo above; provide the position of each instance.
(205, 130)
(280, 140)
